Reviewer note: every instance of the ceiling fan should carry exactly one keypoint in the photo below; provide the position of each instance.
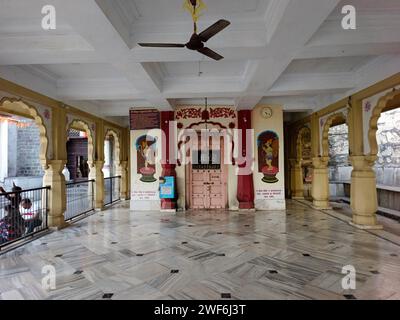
(196, 41)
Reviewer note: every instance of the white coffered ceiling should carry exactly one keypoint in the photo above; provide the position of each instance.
(292, 52)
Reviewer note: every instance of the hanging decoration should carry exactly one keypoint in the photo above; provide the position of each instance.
(195, 8)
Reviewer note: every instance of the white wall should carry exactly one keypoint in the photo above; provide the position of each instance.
(269, 196)
(138, 188)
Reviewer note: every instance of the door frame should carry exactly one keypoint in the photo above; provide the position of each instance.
(189, 174)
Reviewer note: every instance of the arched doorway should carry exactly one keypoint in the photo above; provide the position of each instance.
(24, 160)
(79, 150)
(112, 167)
(335, 146)
(320, 183)
(301, 166)
(19, 108)
(79, 170)
(205, 161)
(111, 154)
(384, 141)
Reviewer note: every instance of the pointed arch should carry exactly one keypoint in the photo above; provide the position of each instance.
(117, 146)
(304, 131)
(20, 108)
(83, 126)
(336, 118)
(389, 101)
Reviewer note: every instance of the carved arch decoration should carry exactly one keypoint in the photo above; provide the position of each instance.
(338, 117)
(390, 100)
(83, 126)
(20, 108)
(216, 124)
(117, 145)
(302, 134)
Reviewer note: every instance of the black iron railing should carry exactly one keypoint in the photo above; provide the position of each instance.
(111, 190)
(23, 214)
(80, 198)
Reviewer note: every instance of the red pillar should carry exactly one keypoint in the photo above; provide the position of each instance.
(168, 164)
(245, 187)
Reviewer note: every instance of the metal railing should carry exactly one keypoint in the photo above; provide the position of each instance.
(23, 213)
(80, 198)
(112, 190)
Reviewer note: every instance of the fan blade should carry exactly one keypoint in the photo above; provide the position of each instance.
(210, 53)
(162, 45)
(214, 29)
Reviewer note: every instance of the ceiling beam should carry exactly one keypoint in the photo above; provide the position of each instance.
(107, 42)
(286, 42)
(48, 57)
(304, 83)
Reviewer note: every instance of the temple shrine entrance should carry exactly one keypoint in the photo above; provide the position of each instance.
(207, 183)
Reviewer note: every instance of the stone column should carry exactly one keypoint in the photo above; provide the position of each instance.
(296, 173)
(363, 199)
(168, 162)
(245, 186)
(320, 183)
(54, 178)
(96, 173)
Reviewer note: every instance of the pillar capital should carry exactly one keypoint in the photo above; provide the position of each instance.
(320, 162)
(295, 163)
(362, 163)
(124, 164)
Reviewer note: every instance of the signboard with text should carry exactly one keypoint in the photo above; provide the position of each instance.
(167, 187)
(141, 195)
(144, 119)
(270, 194)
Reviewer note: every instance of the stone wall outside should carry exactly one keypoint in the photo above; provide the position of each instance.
(339, 165)
(28, 149)
(388, 163)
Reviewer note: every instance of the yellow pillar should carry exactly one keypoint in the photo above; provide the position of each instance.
(96, 168)
(53, 176)
(125, 169)
(363, 194)
(296, 173)
(96, 173)
(320, 183)
(123, 172)
(363, 201)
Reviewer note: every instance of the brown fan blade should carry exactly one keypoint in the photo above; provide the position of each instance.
(162, 45)
(214, 29)
(210, 53)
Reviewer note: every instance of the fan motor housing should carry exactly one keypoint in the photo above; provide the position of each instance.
(195, 42)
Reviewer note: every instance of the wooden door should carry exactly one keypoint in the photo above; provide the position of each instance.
(200, 190)
(208, 187)
(216, 189)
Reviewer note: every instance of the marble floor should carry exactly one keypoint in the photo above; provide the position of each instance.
(120, 254)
